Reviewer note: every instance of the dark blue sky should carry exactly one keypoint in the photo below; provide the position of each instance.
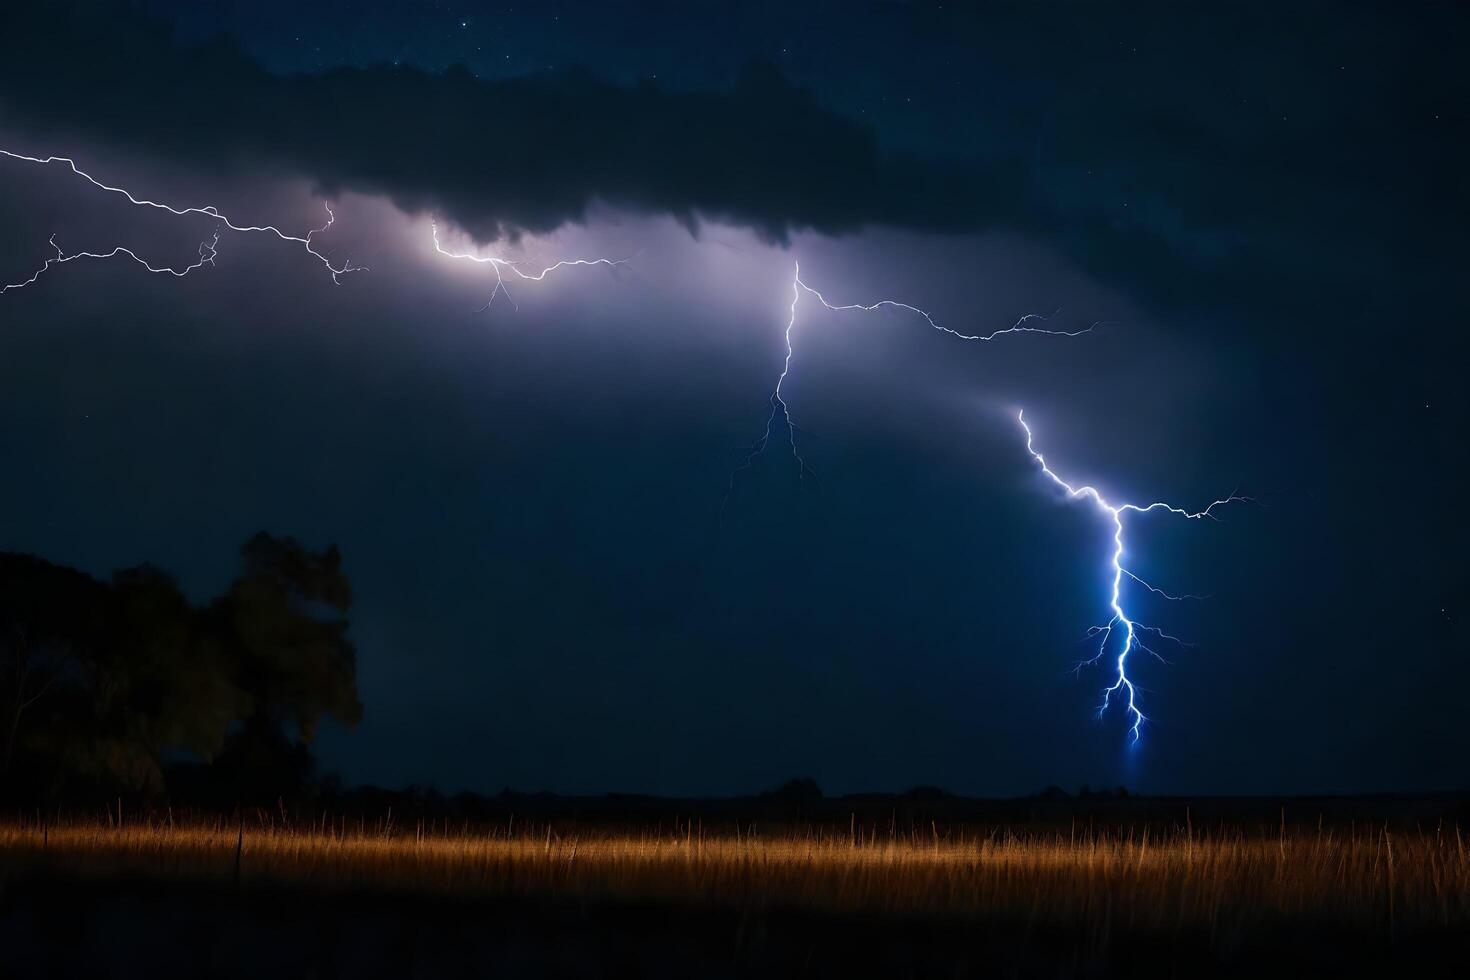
(1263, 208)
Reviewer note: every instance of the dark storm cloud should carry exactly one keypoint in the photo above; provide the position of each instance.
(496, 156)
(1190, 152)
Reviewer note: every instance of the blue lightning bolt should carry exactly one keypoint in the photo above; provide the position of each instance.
(1123, 686)
(207, 252)
(780, 414)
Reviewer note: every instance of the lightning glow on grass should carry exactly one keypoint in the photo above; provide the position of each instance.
(1091, 882)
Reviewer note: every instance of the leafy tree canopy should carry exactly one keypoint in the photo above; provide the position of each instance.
(103, 683)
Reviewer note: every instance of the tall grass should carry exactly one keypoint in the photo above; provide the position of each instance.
(1382, 882)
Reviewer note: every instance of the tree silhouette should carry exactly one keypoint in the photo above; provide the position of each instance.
(106, 684)
(282, 628)
(48, 635)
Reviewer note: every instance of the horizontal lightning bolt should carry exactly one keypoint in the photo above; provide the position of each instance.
(780, 414)
(1123, 686)
(501, 266)
(207, 252)
(209, 211)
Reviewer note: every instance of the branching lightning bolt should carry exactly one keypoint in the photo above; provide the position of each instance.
(780, 414)
(778, 406)
(207, 252)
(1123, 686)
(501, 266)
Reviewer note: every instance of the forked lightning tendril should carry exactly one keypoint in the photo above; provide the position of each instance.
(209, 211)
(207, 251)
(501, 266)
(1123, 686)
(781, 414)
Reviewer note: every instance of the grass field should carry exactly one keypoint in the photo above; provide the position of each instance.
(1394, 885)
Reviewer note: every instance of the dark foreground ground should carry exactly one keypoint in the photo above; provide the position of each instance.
(68, 927)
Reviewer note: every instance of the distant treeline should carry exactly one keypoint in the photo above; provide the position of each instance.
(126, 687)
(800, 806)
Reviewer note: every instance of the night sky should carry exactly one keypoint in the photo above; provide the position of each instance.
(1261, 209)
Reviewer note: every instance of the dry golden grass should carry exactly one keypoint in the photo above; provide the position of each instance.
(1379, 882)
